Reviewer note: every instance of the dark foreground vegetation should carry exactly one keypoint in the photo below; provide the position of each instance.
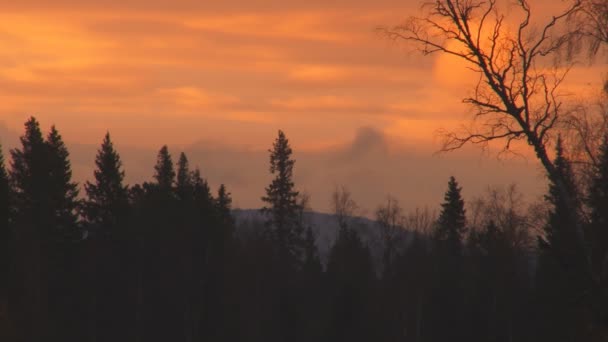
(165, 260)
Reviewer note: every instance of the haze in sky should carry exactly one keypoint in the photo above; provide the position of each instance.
(218, 79)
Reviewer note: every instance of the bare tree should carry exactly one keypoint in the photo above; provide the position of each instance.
(516, 97)
(343, 206)
(586, 125)
(420, 221)
(390, 219)
(507, 209)
(590, 23)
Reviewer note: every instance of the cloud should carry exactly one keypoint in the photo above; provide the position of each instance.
(194, 97)
(358, 108)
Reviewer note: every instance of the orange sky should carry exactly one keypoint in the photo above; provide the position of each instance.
(228, 74)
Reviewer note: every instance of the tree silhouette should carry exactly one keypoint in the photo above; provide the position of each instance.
(598, 204)
(106, 210)
(448, 283)
(389, 218)
(29, 177)
(164, 170)
(561, 271)
(451, 224)
(47, 230)
(107, 196)
(282, 198)
(559, 231)
(63, 191)
(183, 184)
(223, 204)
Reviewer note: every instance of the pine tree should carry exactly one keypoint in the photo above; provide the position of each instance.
(447, 298)
(64, 192)
(164, 171)
(451, 225)
(598, 203)
(29, 174)
(559, 276)
(282, 199)
(223, 205)
(107, 201)
(201, 191)
(183, 184)
(559, 235)
(47, 228)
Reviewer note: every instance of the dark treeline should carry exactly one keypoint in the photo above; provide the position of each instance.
(166, 261)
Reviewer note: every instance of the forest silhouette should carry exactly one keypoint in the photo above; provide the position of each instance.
(170, 259)
(166, 260)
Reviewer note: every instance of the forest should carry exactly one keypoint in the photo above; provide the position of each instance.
(170, 259)
(166, 261)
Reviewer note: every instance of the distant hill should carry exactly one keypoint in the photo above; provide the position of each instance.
(325, 228)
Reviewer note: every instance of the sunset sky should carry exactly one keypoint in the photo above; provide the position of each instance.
(217, 79)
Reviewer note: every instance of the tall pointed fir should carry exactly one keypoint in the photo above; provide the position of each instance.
(164, 170)
(598, 204)
(282, 210)
(223, 205)
(560, 274)
(559, 233)
(29, 174)
(64, 192)
(184, 180)
(107, 197)
(451, 225)
(448, 278)
(46, 225)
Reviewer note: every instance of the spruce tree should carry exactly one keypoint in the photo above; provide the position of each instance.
(164, 171)
(598, 203)
(47, 227)
(559, 234)
(29, 174)
(201, 191)
(107, 201)
(223, 206)
(64, 192)
(183, 185)
(559, 277)
(451, 225)
(283, 209)
(448, 278)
